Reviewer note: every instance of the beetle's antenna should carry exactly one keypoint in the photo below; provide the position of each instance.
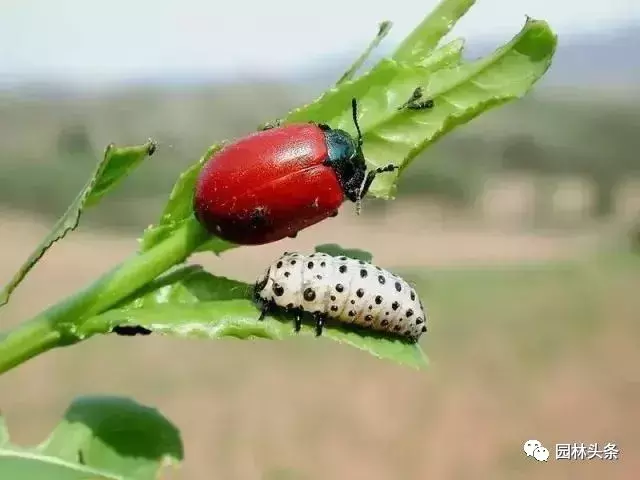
(354, 110)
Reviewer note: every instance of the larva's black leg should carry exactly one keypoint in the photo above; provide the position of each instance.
(319, 319)
(371, 177)
(297, 319)
(265, 308)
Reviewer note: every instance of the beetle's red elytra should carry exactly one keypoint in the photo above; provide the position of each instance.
(271, 184)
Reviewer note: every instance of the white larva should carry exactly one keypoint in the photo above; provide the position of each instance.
(348, 290)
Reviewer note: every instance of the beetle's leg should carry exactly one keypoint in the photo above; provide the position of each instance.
(369, 180)
(265, 308)
(319, 319)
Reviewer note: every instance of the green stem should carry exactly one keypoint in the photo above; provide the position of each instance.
(58, 325)
(425, 37)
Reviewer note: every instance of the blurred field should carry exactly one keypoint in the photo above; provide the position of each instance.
(538, 340)
(515, 229)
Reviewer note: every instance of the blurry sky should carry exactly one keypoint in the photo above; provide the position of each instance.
(115, 40)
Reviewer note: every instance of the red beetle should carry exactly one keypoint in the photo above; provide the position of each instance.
(274, 183)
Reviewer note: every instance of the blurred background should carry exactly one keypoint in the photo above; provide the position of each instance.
(521, 231)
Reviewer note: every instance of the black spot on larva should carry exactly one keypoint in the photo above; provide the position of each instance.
(293, 262)
(343, 258)
(398, 287)
(368, 318)
(287, 274)
(370, 307)
(378, 299)
(309, 294)
(409, 313)
(397, 328)
(278, 289)
(353, 302)
(379, 269)
(360, 292)
(279, 264)
(310, 265)
(342, 269)
(363, 273)
(352, 313)
(360, 262)
(424, 329)
(384, 323)
(333, 298)
(319, 277)
(386, 313)
(395, 306)
(289, 305)
(339, 288)
(413, 295)
(407, 333)
(312, 255)
(381, 279)
(323, 264)
(419, 321)
(334, 308)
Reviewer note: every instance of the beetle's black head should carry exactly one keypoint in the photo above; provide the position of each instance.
(346, 157)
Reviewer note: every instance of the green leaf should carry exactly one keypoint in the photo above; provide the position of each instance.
(336, 250)
(448, 55)
(239, 319)
(192, 303)
(117, 435)
(460, 94)
(18, 464)
(187, 284)
(179, 207)
(437, 24)
(383, 30)
(114, 167)
(460, 91)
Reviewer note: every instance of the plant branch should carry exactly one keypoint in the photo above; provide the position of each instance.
(59, 325)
